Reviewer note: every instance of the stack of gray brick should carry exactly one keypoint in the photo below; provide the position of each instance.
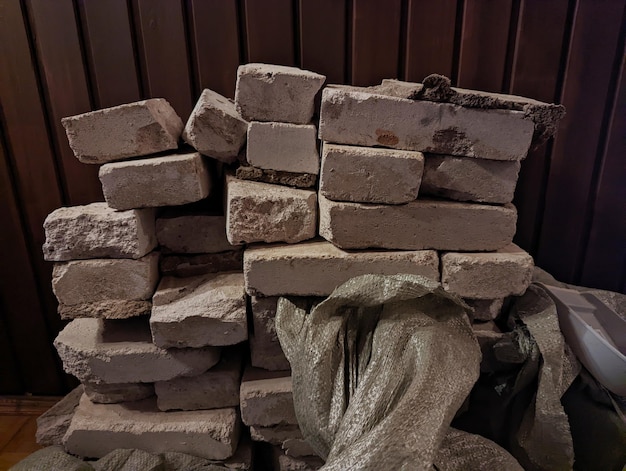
(172, 284)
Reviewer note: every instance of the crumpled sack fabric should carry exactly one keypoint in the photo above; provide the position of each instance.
(379, 370)
(543, 440)
(54, 458)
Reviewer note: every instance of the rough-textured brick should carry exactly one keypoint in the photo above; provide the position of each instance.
(215, 128)
(355, 116)
(97, 231)
(111, 351)
(124, 131)
(260, 212)
(193, 234)
(485, 309)
(52, 424)
(98, 429)
(276, 93)
(265, 349)
(94, 285)
(198, 311)
(370, 175)
(160, 181)
(215, 389)
(505, 272)
(421, 224)
(465, 179)
(276, 434)
(316, 268)
(283, 146)
(266, 398)
(104, 393)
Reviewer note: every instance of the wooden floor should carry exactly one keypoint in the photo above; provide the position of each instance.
(18, 424)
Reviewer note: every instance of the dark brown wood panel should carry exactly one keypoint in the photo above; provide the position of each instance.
(215, 44)
(375, 40)
(323, 38)
(59, 53)
(163, 52)
(485, 34)
(270, 31)
(19, 298)
(109, 48)
(10, 382)
(608, 227)
(591, 57)
(30, 154)
(541, 27)
(430, 38)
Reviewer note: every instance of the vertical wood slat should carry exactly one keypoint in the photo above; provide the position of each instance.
(535, 74)
(163, 52)
(605, 258)
(482, 56)
(430, 38)
(592, 52)
(109, 49)
(59, 53)
(10, 382)
(270, 31)
(375, 40)
(215, 44)
(35, 356)
(323, 38)
(30, 171)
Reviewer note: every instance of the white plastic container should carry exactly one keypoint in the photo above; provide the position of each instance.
(595, 333)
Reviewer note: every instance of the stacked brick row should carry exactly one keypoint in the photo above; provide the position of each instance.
(160, 356)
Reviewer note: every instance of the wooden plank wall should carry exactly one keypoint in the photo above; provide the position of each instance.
(70, 56)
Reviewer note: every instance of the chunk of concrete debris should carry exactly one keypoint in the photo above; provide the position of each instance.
(265, 349)
(52, 424)
(200, 264)
(356, 116)
(94, 285)
(118, 392)
(98, 429)
(546, 116)
(198, 311)
(465, 179)
(106, 309)
(215, 128)
(121, 351)
(283, 146)
(277, 177)
(260, 212)
(130, 130)
(485, 309)
(160, 181)
(266, 398)
(193, 234)
(215, 389)
(370, 175)
(276, 93)
(498, 274)
(97, 231)
(316, 268)
(420, 224)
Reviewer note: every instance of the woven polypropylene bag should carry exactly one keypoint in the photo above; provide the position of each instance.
(379, 370)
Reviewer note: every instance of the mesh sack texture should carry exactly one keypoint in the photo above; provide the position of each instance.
(379, 370)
